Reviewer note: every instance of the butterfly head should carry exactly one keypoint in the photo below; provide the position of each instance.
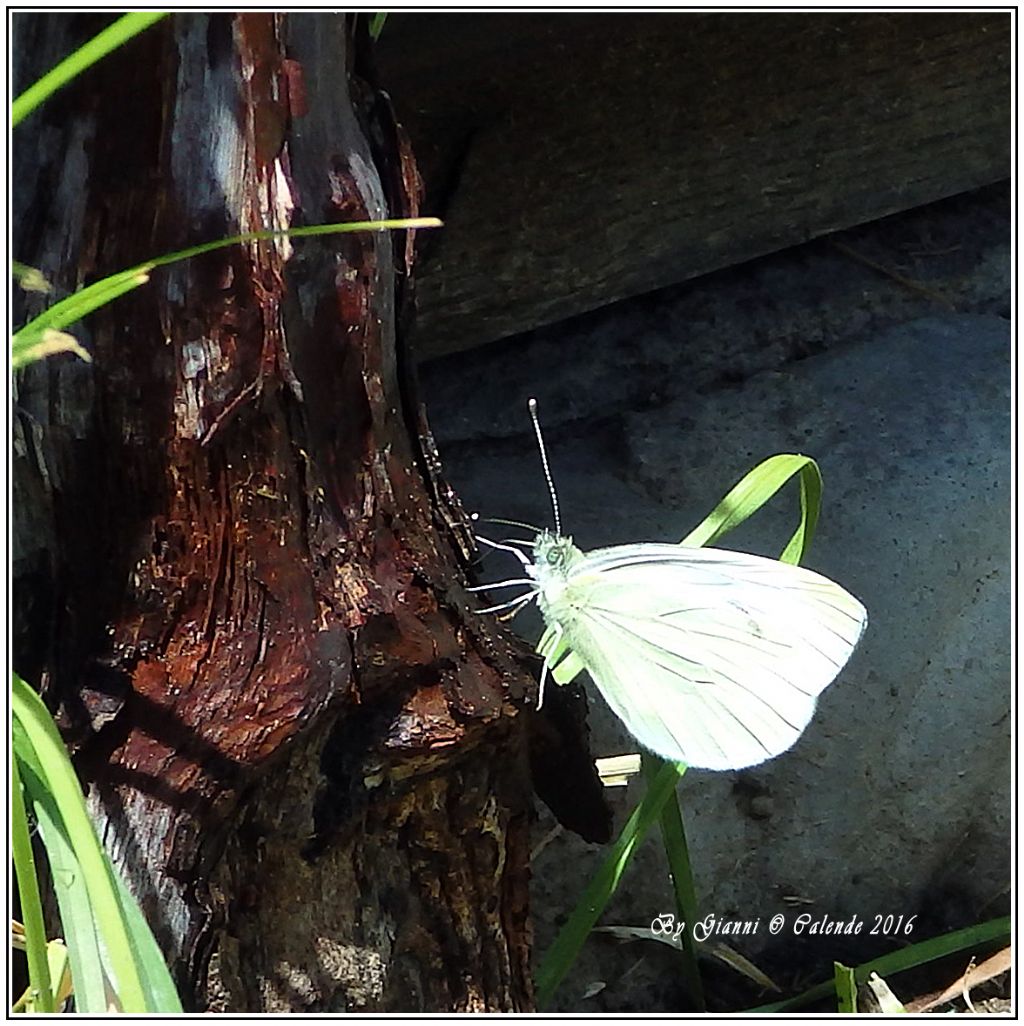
(553, 555)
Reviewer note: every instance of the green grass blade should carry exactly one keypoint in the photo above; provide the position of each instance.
(28, 892)
(562, 953)
(845, 982)
(92, 297)
(95, 905)
(76, 913)
(306, 231)
(971, 937)
(62, 783)
(677, 852)
(77, 918)
(161, 994)
(98, 47)
(564, 664)
(377, 21)
(74, 307)
(754, 490)
(85, 943)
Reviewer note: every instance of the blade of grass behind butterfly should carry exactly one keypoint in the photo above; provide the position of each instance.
(562, 953)
(677, 851)
(756, 488)
(752, 492)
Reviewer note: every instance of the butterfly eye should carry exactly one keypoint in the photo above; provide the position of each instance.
(559, 556)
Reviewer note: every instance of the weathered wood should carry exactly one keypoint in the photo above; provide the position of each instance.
(303, 751)
(580, 159)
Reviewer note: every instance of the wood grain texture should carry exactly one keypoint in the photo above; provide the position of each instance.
(581, 159)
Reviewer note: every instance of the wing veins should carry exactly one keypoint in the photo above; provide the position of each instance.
(615, 618)
(633, 637)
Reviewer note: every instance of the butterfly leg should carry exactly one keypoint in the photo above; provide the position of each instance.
(517, 603)
(504, 548)
(503, 584)
(547, 665)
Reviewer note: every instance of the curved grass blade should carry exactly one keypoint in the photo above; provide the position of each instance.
(157, 982)
(92, 978)
(754, 490)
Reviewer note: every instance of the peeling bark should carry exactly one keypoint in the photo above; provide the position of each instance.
(237, 555)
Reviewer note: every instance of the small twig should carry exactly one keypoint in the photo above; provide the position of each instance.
(545, 840)
(254, 387)
(908, 283)
(934, 252)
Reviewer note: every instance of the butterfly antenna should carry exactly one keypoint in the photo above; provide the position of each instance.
(506, 523)
(544, 460)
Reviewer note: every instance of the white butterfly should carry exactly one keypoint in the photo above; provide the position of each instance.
(709, 657)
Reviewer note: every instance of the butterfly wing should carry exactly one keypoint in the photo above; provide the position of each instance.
(710, 657)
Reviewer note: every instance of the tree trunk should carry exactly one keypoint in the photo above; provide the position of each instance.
(236, 559)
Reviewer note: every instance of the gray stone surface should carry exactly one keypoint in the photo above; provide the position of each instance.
(896, 800)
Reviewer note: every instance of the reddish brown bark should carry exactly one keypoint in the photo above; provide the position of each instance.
(238, 556)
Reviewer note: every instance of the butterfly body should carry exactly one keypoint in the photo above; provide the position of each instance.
(709, 657)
